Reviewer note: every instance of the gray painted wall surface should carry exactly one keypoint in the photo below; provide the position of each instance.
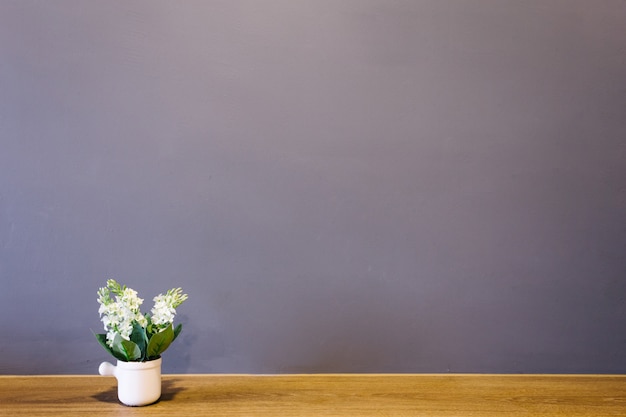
(340, 186)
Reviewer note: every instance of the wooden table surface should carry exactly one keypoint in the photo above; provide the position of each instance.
(324, 395)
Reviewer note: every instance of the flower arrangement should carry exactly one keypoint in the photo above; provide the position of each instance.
(130, 335)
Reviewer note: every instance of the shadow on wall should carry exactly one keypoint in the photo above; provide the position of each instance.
(344, 330)
(360, 338)
(196, 350)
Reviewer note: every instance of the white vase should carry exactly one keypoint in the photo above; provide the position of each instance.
(138, 383)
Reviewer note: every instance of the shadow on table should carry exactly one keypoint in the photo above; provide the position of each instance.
(169, 390)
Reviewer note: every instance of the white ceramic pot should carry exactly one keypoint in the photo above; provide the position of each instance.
(138, 383)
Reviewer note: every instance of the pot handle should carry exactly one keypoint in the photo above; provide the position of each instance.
(106, 369)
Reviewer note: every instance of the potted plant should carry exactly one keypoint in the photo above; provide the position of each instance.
(136, 340)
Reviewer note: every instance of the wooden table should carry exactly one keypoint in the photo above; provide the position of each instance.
(324, 395)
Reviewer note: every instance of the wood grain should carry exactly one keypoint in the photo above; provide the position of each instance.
(324, 395)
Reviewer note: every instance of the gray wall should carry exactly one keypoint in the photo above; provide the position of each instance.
(340, 186)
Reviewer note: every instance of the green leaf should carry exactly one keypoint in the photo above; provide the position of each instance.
(159, 342)
(149, 325)
(177, 331)
(102, 339)
(126, 348)
(139, 337)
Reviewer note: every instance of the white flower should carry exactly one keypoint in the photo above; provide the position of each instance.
(118, 315)
(164, 308)
(162, 313)
(120, 309)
